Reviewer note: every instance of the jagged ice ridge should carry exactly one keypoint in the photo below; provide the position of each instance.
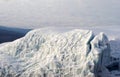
(42, 53)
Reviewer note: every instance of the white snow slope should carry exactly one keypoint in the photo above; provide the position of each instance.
(41, 53)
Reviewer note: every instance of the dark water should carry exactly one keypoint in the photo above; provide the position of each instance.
(11, 34)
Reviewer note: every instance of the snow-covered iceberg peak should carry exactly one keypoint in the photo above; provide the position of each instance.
(41, 53)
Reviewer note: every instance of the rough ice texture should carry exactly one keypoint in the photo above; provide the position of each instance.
(41, 53)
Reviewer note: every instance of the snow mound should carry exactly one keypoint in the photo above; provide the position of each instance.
(41, 53)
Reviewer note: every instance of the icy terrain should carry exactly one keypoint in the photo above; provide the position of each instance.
(76, 53)
(63, 15)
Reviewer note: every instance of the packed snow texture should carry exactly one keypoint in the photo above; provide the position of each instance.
(41, 53)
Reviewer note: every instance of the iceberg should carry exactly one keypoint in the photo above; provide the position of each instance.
(48, 53)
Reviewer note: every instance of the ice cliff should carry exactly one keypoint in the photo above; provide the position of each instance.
(42, 53)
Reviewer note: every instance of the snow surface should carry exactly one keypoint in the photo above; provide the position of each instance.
(76, 53)
(3, 44)
(63, 15)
